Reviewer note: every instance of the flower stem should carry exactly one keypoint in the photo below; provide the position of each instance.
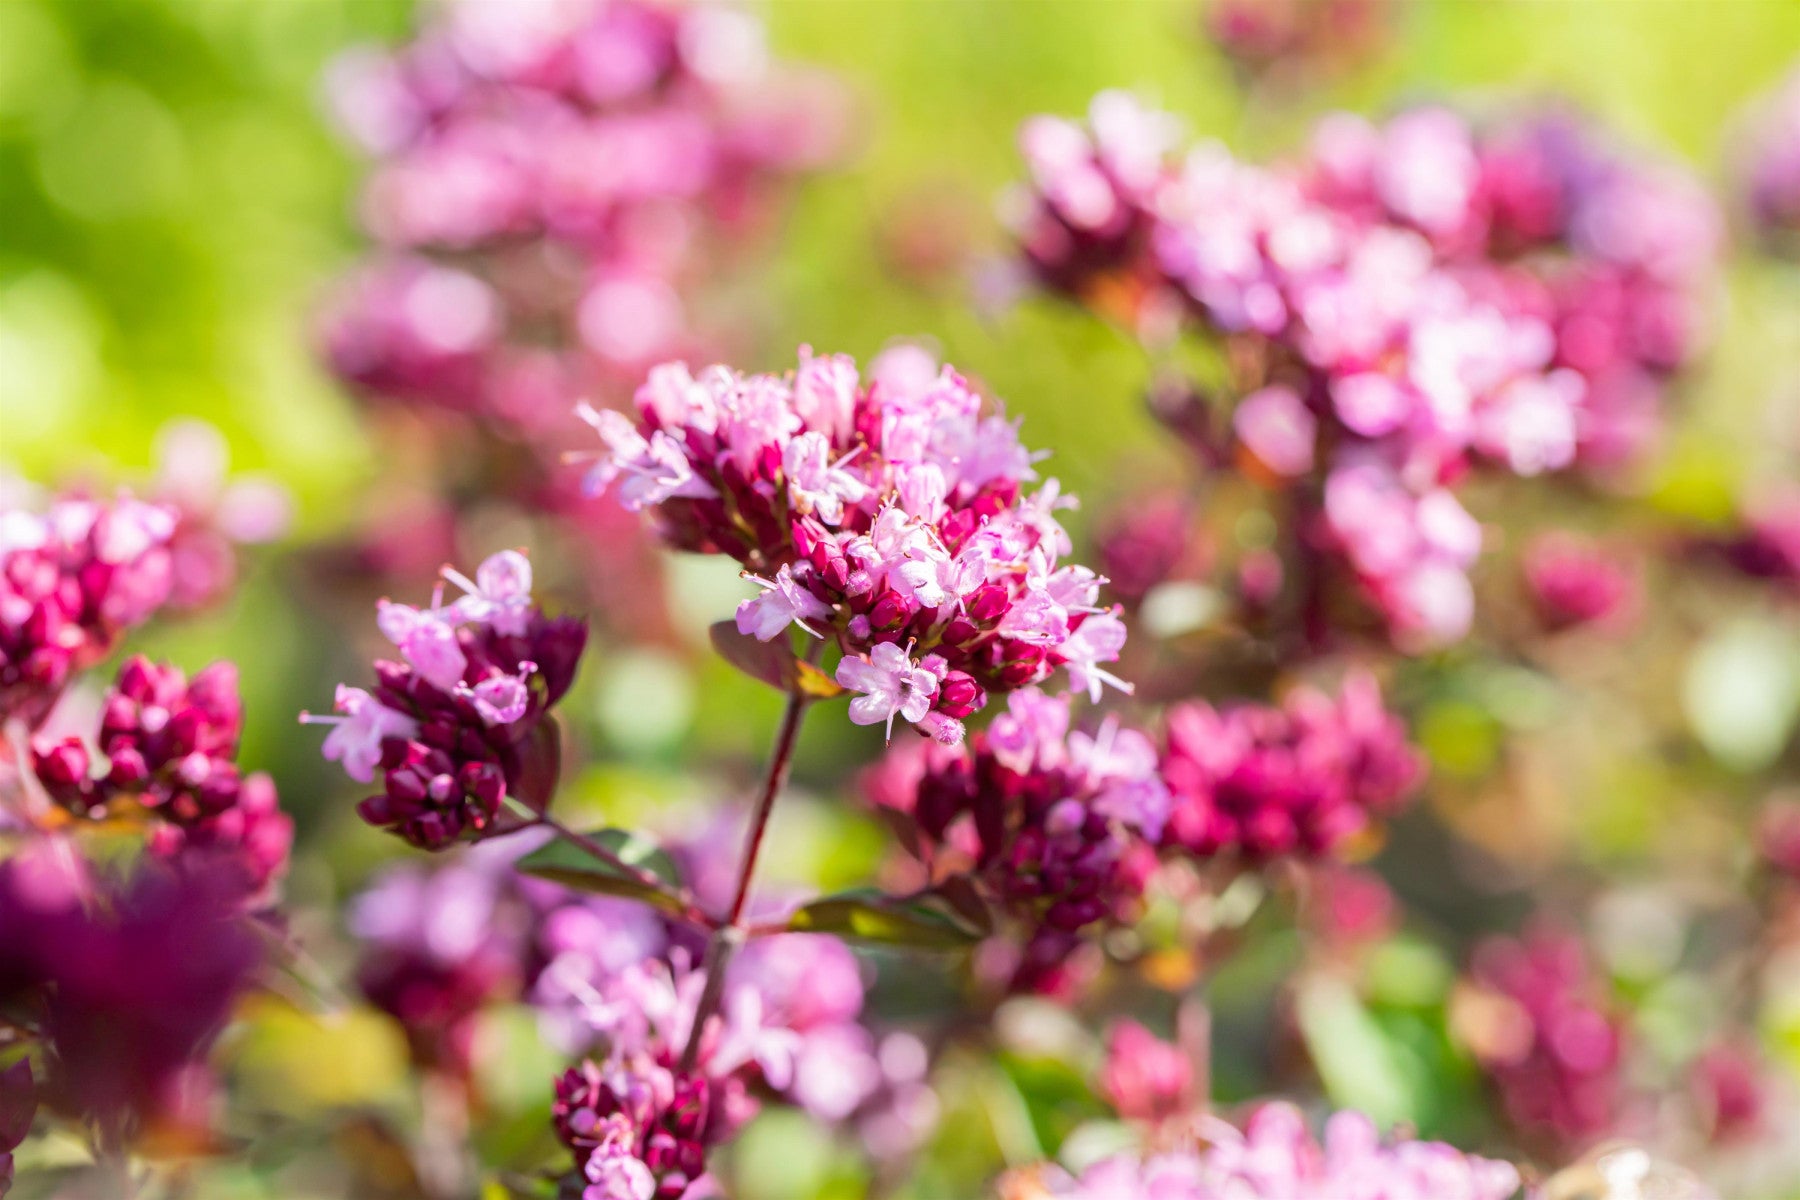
(730, 935)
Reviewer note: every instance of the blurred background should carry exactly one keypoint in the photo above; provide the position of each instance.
(177, 204)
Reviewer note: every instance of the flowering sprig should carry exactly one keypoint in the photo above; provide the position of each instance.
(460, 722)
(124, 981)
(888, 519)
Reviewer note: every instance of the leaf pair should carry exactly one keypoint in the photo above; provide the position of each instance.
(949, 915)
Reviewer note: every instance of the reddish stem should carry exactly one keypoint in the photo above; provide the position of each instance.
(730, 935)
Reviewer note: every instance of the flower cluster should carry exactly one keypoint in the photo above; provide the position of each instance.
(618, 982)
(1056, 826)
(1298, 37)
(551, 180)
(1571, 583)
(460, 722)
(888, 516)
(1262, 782)
(129, 981)
(1769, 173)
(1275, 1157)
(169, 745)
(1549, 1046)
(1145, 1078)
(438, 944)
(72, 580)
(1404, 302)
(641, 1130)
(619, 979)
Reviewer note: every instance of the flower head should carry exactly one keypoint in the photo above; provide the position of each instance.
(454, 728)
(888, 517)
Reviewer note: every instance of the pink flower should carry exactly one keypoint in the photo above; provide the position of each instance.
(499, 595)
(783, 602)
(503, 699)
(815, 484)
(1096, 640)
(356, 737)
(427, 641)
(652, 469)
(892, 684)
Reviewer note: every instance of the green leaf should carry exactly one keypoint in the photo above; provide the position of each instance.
(1358, 1064)
(562, 861)
(868, 915)
(770, 662)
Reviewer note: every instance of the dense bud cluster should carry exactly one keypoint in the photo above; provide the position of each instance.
(72, 580)
(1057, 827)
(888, 516)
(1547, 1043)
(460, 722)
(1261, 782)
(1404, 302)
(1275, 1157)
(550, 181)
(168, 744)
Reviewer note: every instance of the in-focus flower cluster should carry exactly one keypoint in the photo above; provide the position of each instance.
(1261, 782)
(1275, 1157)
(1403, 302)
(1539, 1029)
(1057, 827)
(168, 744)
(460, 722)
(127, 978)
(888, 516)
(72, 580)
(551, 181)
